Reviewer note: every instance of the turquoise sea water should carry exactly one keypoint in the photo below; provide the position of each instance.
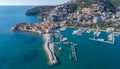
(23, 50)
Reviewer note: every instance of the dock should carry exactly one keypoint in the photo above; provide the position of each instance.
(74, 52)
(111, 38)
(100, 40)
(79, 31)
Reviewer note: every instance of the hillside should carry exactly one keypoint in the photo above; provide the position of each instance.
(39, 9)
(109, 5)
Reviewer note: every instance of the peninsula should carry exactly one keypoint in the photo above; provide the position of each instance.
(45, 28)
(49, 48)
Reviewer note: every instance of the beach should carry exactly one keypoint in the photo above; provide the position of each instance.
(49, 49)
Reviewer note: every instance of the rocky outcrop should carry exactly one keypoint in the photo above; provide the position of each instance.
(39, 10)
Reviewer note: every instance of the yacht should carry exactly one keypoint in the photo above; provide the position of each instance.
(95, 32)
(88, 31)
(101, 40)
(76, 31)
(62, 29)
(64, 39)
(98, 33)
(111, 38)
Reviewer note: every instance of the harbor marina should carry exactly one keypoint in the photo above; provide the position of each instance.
(65, 40)
(96, 35)
(110, 37)
(79, 31)
(88, 31)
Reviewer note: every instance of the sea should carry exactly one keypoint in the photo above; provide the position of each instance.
(24, 50)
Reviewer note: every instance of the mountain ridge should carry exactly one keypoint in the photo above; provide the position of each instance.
(109, 5)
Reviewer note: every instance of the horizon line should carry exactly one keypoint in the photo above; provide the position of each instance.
(28, 5)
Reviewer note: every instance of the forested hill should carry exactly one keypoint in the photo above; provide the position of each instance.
(38, 10)
(109, 5)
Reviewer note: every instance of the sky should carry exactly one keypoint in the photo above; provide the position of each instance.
(32, 2)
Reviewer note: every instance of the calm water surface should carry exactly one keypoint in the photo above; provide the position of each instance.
(22, 50)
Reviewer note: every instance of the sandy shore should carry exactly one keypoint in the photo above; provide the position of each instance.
(49, 49)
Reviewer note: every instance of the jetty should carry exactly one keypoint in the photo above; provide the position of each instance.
(49, 48)
(74, 49)
(74, 52)
(111, 39)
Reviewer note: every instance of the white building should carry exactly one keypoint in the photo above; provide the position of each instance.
(79, 18)
(110, 29)
(97, 19)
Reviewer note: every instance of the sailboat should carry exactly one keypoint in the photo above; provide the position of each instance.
(111, 38)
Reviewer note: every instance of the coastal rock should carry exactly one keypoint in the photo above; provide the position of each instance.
(39, 9)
